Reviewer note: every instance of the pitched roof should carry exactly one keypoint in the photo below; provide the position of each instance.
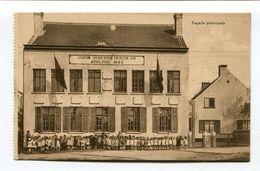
(109, 36)
(202, 90)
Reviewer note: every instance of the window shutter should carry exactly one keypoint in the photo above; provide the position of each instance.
(79, 117)
(155, 119)
(92, 119)
(217, 127)
(201, 126)
(124, 111)
(65, 119)
(142, 119)
(174, 119)
(111, 121)
(57, 119)
(212, 102)
(85, 119)
(38, 118)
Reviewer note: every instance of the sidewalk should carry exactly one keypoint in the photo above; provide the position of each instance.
(222, 150)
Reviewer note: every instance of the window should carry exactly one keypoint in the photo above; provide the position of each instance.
(209, 126)
(243, 125)
(120, 81)
(209, 102)
(101, 119)
(76, 80)
(39, 80)
(165, 119)
(55, 84)
(138, 81)
(173, 81)
(133, 119)
(88, 119)
(154, 85)
(72, 119)
(48, 119)
(94, 80)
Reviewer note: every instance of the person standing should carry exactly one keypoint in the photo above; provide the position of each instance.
(185, 142)
(27, 138)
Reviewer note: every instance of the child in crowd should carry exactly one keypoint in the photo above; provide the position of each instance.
(39, 144)
(128, 139)
(53, 143)
(43, 144)
(82, 144)
(149, 143)
(154, 146)
(138, 143)
(166, 143)
(58, 144)
(170, 143)
(159, 141)
(182, 142)
(116, 143)
(135, 143)
(174, 143)
(34, 144)
(69, 143)
(142, 142)
(29, 146)
(131, 141)
(49, 142)
(108, 143)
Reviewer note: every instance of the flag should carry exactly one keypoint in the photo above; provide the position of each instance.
(59, 74)
(159, 77)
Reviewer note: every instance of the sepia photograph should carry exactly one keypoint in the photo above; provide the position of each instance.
(135, 87)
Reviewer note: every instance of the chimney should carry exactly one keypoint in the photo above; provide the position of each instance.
(222, 69)
(204, 85)
(38, 22)
(178, 24)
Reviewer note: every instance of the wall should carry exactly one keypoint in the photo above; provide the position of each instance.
(45, 59)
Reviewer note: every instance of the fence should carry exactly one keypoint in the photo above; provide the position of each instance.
(237, 138)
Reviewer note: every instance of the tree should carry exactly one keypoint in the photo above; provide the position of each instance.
(238, 110)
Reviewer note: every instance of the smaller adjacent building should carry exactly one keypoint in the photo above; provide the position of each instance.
(221, 106)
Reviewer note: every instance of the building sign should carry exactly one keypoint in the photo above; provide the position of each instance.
(106, 59)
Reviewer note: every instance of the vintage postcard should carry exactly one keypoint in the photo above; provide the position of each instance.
(132, 86)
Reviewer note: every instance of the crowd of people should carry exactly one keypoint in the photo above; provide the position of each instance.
(41, 143)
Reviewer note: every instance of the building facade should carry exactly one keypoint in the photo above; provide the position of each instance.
(93, 78)
(221, 106)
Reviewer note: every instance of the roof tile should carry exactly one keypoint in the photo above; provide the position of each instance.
(112, 35)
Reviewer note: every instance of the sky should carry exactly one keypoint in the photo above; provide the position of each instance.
(210, 44)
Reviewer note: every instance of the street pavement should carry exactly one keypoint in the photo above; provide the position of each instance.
(193, 154)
